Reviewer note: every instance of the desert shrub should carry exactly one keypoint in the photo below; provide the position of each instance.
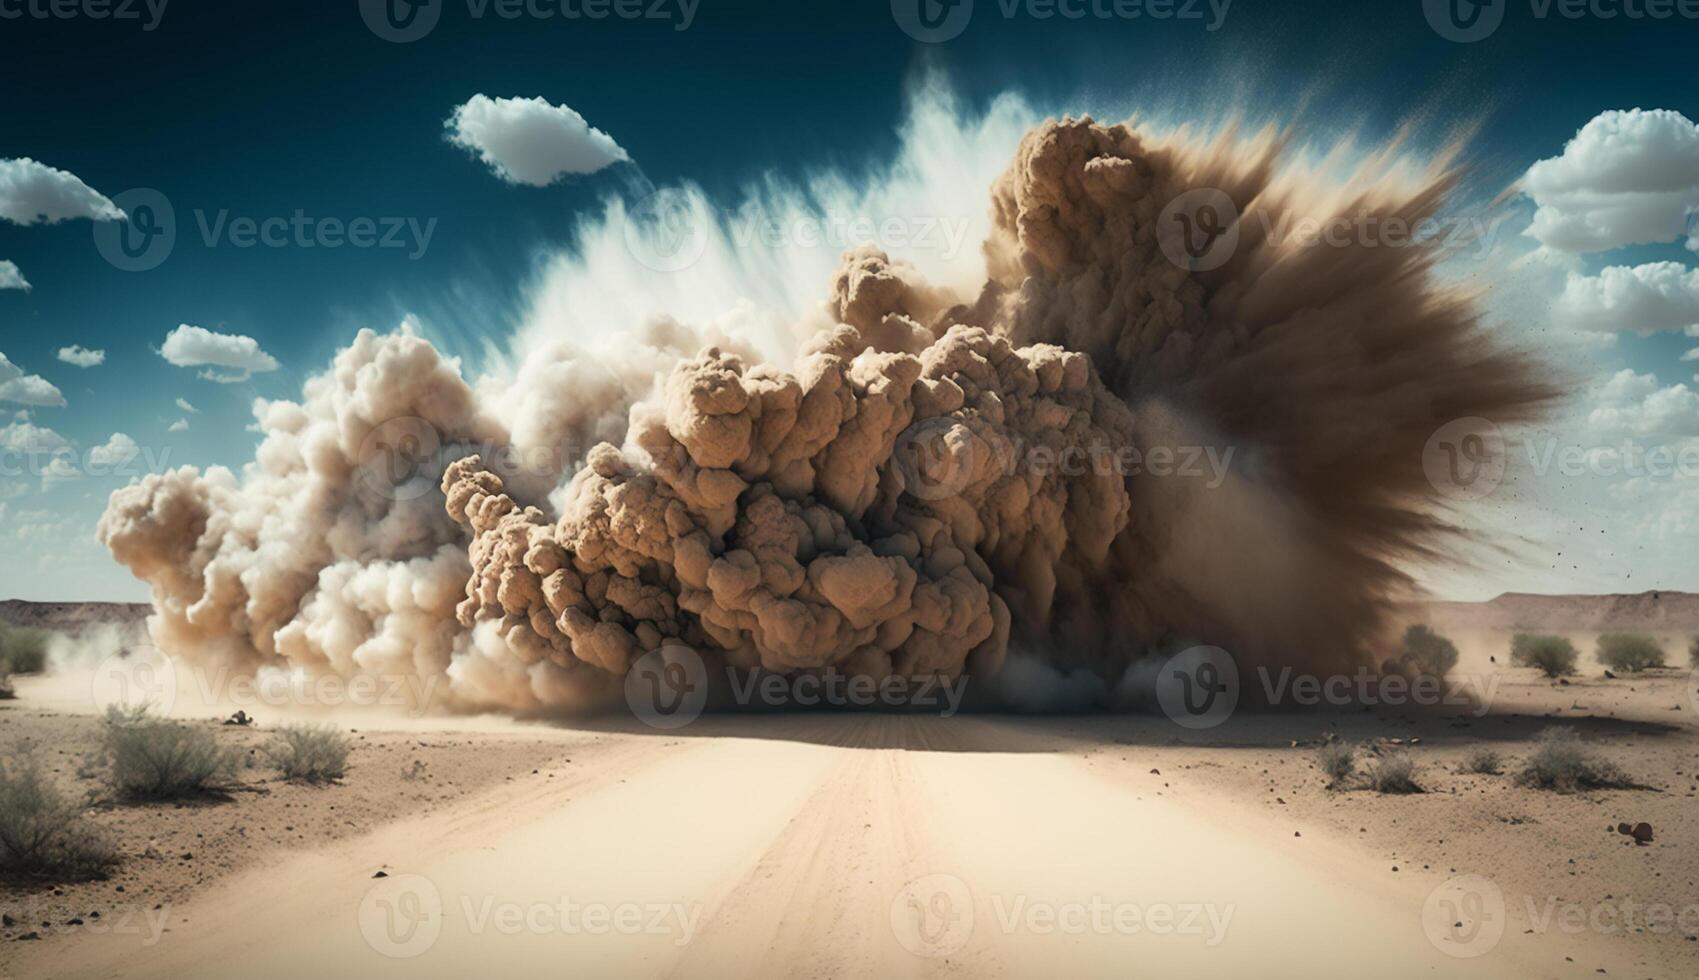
(1483, 761)
(22, 651)
(1630, 653)
(1426, 653)
(1338, 760)
(44, 835)
(1552, 655)
(153, 758)
(1561, 762)
(1394, 772)
(310, 753)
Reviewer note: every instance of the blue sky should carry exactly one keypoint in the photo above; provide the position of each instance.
(261, 111)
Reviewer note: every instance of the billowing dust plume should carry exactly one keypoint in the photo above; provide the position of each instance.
(936, 481)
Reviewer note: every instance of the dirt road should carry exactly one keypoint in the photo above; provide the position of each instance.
(835, 846)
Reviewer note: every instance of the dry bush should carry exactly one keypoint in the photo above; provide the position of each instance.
(22, 650)
(309, 753)
(153, 758)
(1562, 763)
(44, 835)
(1426, 653)
(1630, 653)
(1338, 760)
(1552, 655)
(1394, 772)
(1483, 761)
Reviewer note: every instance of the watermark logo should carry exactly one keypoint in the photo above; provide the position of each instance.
(1198, 688)
(667, 688)
(1468, 21)
(140, 677)
(1465, 917)
(401, 21)
(1199, 230)
(398, 460)
(406, 21)
(936, 458)
(144, 237)
(937, 21)
(932, 916)
(147, 234)
(932, 21)
(1464, 21)
(665, 231)
(1466, 459)
(401, 916)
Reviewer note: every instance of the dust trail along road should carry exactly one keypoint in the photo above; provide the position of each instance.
(834, 846)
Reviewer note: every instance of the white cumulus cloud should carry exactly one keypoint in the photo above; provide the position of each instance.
(26, 389)
(11, 278)
(530, 141)
(27, 438)
(181, 425)
(119, 449)
(189, 346)
(1627, 178)
(34, 193)
(1634, 404)
(1658, 297)
(81, 356)
(183, 403)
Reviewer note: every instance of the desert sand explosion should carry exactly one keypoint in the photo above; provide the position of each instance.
(937, 482)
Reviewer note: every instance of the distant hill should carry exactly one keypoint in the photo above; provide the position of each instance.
(72, 617)
(1647, 611)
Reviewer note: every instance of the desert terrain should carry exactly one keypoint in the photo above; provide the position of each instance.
(834, 844)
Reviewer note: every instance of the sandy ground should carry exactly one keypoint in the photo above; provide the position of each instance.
(847, 845)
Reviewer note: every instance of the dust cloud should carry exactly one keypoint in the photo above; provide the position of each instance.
(1098, 455)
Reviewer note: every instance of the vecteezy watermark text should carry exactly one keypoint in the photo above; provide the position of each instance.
(144, 677)
(936, 21)
(940, 457)
(942, 235)
(402, 917)
(406, 21)
(143, 925)
(1467, 916)
(1201, 229)
(1468, 21)
(935, 915)
(1200, 687)
(668, 688)
(146, 235)
(1468, 459)
(1367, 688)
(148, 13)
(670, 230)
(301, 230)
